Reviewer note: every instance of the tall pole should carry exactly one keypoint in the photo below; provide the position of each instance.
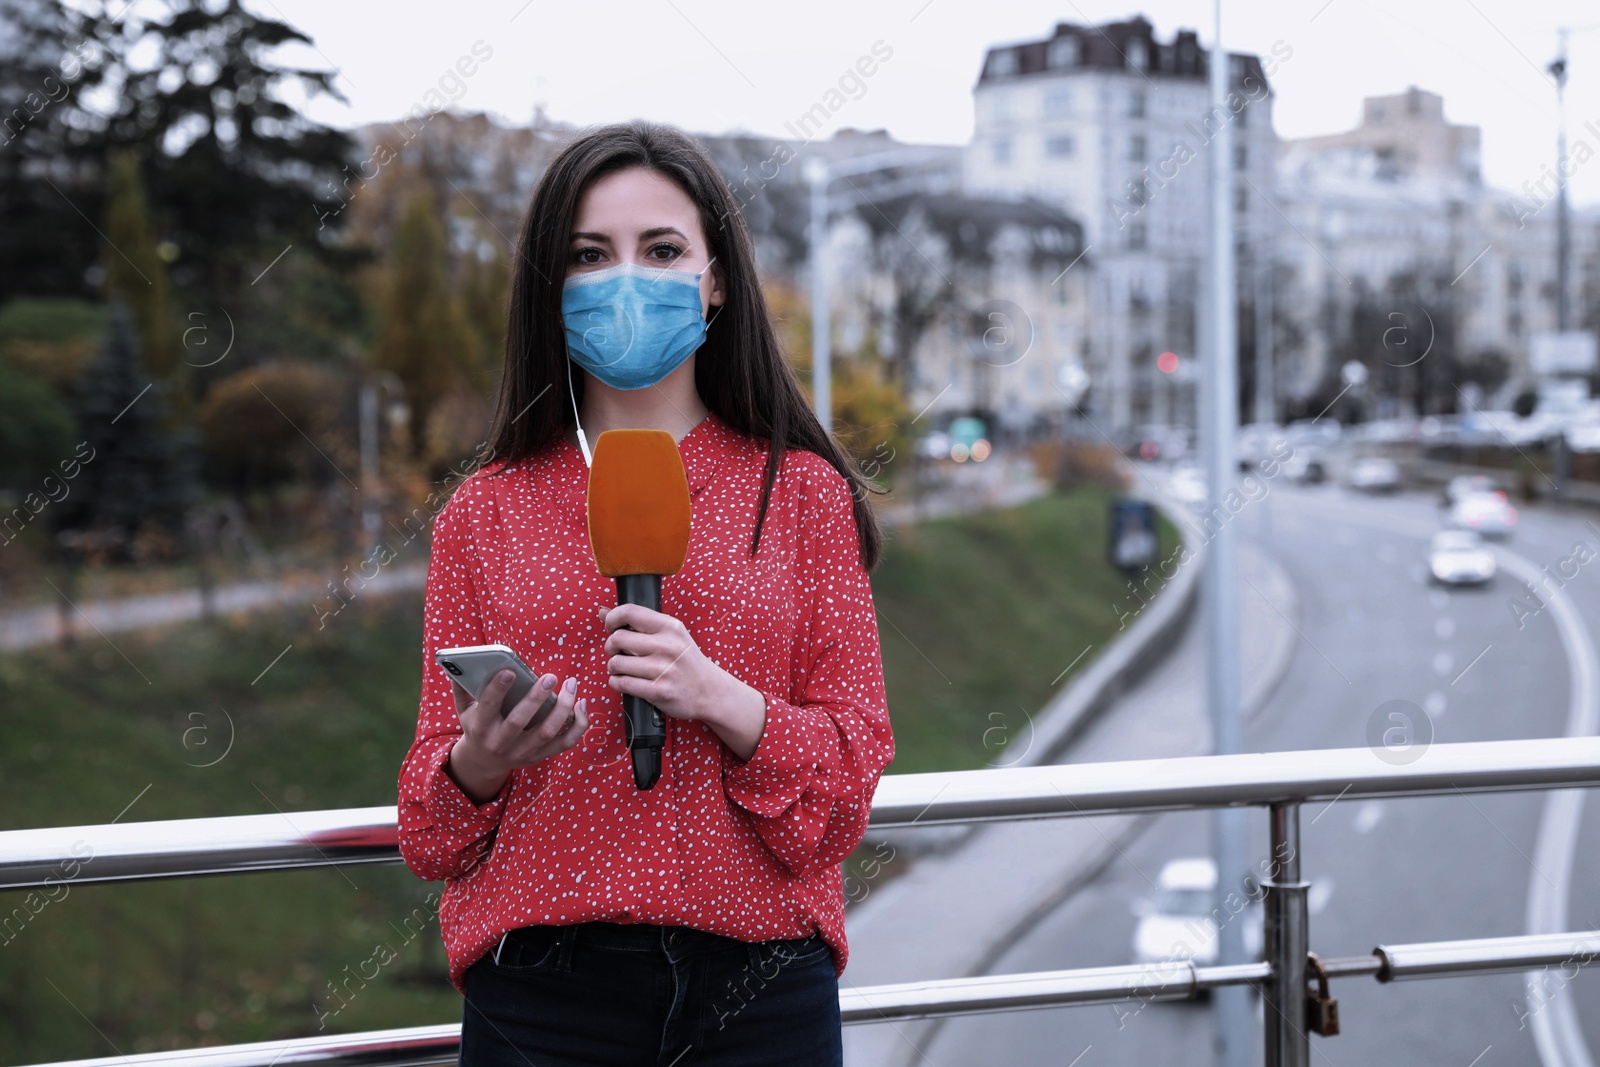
(1558, 70)
(1563, 223)
(817, 172)
(1235, 1042)
(369, 464)
(1266, 385)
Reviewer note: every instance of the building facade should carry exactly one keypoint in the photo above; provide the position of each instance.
(1115, 128)
(1391, 224)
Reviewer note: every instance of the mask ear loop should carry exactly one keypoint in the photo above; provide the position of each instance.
(583, 441)
(720, 306)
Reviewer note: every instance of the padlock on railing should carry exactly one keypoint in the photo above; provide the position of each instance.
(1322, 1011)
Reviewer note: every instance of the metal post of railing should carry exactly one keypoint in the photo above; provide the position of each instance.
(1286, 938)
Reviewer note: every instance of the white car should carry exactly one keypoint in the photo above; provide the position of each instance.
(1375, 474)
(1459, 557)
(1181, 922)
(1188, 486)
(1490, 514)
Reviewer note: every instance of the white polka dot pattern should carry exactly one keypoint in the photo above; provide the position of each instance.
(749, 850)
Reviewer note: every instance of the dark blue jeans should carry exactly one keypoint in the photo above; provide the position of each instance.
(601, 994)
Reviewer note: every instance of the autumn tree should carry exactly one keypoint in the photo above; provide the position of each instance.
(422, 337)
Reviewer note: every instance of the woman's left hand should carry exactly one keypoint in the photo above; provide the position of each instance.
(657, 659)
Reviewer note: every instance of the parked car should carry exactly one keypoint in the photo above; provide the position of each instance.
(1490, 514)
(1180, 923)
(1374, 474)
(1459, 557)
(1465, 485)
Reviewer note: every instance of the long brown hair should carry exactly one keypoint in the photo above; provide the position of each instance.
(739, 370)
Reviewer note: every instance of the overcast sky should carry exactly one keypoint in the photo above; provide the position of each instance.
(720, 66)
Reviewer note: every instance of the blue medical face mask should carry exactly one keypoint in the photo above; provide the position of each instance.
(631, 326)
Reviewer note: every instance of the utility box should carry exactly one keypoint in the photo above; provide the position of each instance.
(1133, 543)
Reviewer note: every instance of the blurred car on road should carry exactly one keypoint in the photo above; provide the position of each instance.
(1320, 431)
(935, 446)
(1459, 557)
(1257, 443)
(1374, 474)
(1159, 441)
(1180, 922)
(1187, 484)
(1490, 514)
(1306, 466)
(1464, 485)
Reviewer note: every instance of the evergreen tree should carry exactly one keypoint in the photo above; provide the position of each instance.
(236, 174)
(136, 475)
(136, 275)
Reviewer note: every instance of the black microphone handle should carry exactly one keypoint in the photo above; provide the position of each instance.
(646, 733)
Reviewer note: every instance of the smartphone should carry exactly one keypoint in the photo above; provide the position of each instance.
(472, 667)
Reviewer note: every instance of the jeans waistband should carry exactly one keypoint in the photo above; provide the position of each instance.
(677, 941)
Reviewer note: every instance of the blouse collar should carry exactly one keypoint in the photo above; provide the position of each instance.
(703, 448)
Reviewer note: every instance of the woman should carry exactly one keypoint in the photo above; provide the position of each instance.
(701, 921)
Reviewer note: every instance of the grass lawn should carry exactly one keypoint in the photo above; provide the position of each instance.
(979, 617)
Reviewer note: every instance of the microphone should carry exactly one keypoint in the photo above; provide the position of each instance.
(639, 531)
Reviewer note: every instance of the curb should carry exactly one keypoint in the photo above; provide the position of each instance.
(1082, 701)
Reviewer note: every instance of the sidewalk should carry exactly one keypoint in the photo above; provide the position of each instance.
(948, 915)
(35, 626)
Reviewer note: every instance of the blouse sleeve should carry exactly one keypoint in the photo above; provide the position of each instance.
(809, 784)
(442, 832)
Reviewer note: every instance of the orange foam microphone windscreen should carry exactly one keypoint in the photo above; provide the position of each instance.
(638, 504)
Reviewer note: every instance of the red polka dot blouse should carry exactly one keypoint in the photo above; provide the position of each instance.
(749, 850)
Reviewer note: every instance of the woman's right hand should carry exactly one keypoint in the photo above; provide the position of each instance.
(492, 746)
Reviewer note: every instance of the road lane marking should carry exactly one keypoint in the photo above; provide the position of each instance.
(1556, 1031)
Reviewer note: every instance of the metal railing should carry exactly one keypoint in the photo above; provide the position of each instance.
(1278, 781)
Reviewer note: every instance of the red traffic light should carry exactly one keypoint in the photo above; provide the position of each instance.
(1167, 362)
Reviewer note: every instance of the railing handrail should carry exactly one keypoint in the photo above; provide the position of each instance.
(169, 848)
(940, 998)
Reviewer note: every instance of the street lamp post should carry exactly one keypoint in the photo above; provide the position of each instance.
(1220, 578)
(820, 175)
(389, 383)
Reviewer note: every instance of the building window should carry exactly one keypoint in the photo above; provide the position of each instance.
(1058, 102)
(1241, 199)
(1002, 63)
(1241, 156)
(1002, 151)
(1059, 146)
(1244, 115)
(1514, 323)
(1136, 104)
(1138, 53)
(1136, 148)
(1136, 235)
(1139, 191)
(1063, 53)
